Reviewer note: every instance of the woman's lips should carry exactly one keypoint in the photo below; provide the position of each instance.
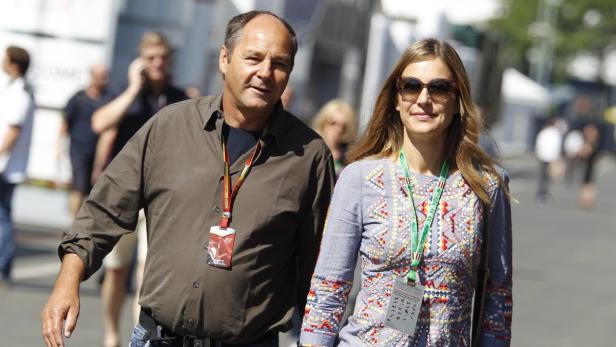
(422, 116)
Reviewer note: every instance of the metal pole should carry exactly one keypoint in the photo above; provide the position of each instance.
(543, 53)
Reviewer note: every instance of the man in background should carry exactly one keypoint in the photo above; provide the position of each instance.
(76, 125)
(149, 90)
(16, 117)
(548, 149)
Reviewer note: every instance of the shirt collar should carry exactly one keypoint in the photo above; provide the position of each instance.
(19, 82)
(212, 118)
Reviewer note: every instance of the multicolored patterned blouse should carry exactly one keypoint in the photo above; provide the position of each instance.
(370, 216)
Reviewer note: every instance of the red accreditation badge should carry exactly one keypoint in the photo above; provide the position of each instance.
(220, 246)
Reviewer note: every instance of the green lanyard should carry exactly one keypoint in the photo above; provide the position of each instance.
(417, 246)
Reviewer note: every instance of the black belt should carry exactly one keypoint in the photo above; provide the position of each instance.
(159, 336)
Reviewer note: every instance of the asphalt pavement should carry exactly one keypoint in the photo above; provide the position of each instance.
(564, 276)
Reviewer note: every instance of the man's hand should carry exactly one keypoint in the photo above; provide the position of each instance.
(62, 308)
(135, 74)
(111, 114)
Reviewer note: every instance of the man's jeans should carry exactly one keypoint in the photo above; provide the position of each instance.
(7, 236)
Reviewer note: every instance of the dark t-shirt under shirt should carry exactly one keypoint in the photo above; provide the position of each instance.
(239, 141)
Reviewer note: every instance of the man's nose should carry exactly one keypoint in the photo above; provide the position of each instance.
(265, 69)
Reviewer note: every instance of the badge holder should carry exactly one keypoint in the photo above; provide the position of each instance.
(220, 246)
(404, 306)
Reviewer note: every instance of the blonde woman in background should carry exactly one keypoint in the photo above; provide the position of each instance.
(337, 125)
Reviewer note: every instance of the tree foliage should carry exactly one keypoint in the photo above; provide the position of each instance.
(581, 26)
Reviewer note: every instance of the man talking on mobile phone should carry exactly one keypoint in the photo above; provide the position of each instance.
(148, 91)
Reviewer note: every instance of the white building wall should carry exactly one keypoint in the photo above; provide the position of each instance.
(64, 38)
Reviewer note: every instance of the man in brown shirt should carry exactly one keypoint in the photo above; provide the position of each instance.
(174, 168)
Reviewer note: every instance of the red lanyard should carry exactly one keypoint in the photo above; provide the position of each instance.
(229, 194)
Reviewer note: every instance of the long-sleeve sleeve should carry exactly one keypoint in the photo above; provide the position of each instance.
(496, 327)
(333, 275)
(312, 224)
(112, 208)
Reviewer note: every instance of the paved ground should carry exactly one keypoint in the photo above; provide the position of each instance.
(564, 273)
(41, 215)
(564, 276)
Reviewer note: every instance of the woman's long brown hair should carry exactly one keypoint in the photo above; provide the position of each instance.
(384, 133)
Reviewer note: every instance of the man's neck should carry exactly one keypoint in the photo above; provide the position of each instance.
(156, 87)
(93, 92)
(14, 76)
(424, 157)
(248, 120)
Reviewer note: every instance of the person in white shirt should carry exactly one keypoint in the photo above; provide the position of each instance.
(548, 149)
(16, 116)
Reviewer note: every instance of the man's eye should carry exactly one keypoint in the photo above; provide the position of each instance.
(280, 64)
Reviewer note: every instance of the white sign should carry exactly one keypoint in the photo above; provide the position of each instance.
(58, 67)
(44, 162)
(64, 38)
(79, 19)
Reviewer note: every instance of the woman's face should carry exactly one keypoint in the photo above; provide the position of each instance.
(334, 129)
(426, 99)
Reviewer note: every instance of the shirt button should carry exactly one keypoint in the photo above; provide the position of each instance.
(190, 322)
(195, 284)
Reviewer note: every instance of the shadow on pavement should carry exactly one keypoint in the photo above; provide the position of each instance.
(24, 286)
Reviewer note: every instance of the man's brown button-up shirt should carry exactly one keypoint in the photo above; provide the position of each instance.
(173, 168)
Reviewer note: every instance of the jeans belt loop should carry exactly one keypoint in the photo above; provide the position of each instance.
(193, 341)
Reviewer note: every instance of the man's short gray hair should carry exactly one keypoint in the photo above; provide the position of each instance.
(237, 24)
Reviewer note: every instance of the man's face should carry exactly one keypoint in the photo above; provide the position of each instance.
(257, 71)
(156, 62)
(5, 63)
(99, 77)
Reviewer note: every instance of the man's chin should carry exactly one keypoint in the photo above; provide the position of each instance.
(156, 77)
(259, 103)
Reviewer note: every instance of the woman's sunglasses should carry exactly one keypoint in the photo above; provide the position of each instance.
(440, 89)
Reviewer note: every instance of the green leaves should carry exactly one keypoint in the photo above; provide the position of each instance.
(579, 26)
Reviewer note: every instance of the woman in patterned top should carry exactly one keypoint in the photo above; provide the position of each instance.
(411, 205)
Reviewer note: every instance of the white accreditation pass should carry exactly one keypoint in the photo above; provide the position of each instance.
(403, 311)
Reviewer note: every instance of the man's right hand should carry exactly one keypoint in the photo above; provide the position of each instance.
(59, 316)
(110, 115)
(135, 74)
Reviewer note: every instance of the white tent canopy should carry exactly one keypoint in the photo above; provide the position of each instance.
(519, 89)
(456, 12)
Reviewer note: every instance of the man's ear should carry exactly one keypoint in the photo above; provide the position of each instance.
(223, 60)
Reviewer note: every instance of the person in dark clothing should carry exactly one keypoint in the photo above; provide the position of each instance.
(232, 241)
(149, 90)
(76, 125)
(589, 154)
